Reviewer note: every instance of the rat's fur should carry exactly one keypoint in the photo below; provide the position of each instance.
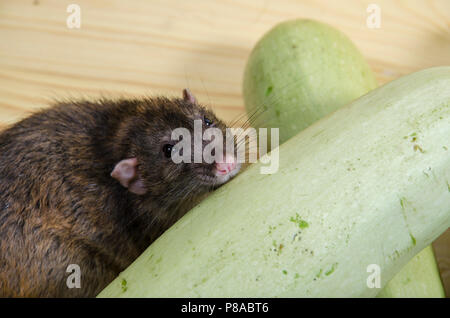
(60, 206)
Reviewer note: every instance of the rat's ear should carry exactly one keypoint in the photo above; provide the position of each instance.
(126, 173)
(188, 96)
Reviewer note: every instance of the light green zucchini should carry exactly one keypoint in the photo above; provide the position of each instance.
(302, 70)
(299, 72)
(368, 184)
(419, 278)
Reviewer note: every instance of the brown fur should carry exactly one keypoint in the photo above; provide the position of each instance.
(60, 206)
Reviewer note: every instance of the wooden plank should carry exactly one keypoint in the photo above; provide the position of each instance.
(158, 47)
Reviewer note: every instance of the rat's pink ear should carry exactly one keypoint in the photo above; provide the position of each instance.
(126, 173)
(188, 96)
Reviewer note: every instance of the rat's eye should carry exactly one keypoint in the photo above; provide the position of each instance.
(207, 121)
(167, 150)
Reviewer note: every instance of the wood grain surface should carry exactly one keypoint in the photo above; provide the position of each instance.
(148, 47)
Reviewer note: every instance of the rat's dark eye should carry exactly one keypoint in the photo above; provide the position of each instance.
(208, 122)
(167, 150)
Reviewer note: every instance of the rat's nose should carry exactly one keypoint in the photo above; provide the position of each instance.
(223, 168)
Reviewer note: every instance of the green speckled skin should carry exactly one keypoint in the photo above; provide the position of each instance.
(419, 278)
(300, 71)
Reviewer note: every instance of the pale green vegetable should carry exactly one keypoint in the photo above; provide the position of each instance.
(353, 189)
(419, 278)
(299, 72)
(302, 70)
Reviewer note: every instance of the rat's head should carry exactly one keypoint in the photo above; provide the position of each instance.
(151, 162)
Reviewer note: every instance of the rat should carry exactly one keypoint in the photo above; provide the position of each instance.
(92, 183)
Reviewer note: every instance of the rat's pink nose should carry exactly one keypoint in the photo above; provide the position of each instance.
(223, 168)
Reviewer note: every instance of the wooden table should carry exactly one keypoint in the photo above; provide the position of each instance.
(147, 47)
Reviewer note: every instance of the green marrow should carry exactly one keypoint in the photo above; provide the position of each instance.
(302, 70)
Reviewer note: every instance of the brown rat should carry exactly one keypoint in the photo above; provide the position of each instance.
(93, 184)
